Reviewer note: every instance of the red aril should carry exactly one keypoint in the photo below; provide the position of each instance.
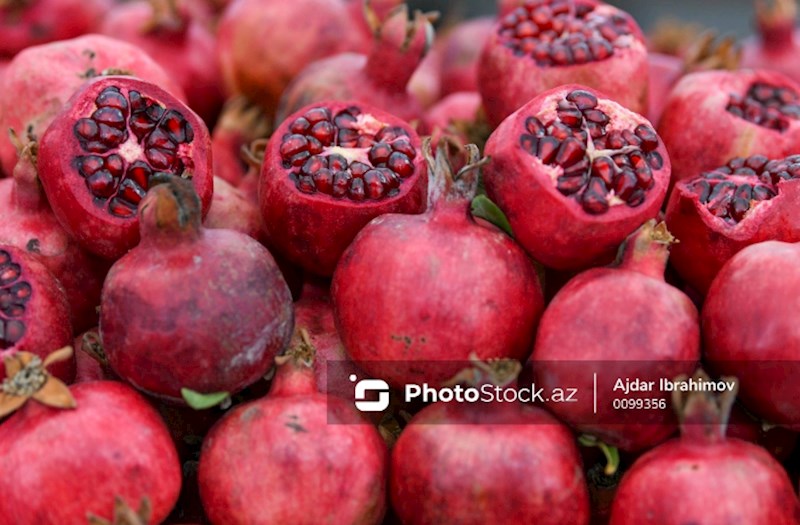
(721, 211)
(576, 173)
(98, 157)
(546, 43)
(328, 170)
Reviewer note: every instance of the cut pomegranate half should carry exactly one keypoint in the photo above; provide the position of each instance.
(329, 169)
(546, 43)
(576, 173)
(99, 154)
(721, 211)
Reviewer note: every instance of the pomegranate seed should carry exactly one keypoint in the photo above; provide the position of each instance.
(9, 273)
(356, 191)
(111, 97)
(101, 184)
(336, 162)
(13, 332)
(110, 116)
(140, 173)
(548, 147)
(625, 183)
(593, 198)
(89, 164)
(604, 168)
(315, 115)
(115, 165)
(324, 132)
(358, 169)
(314, 164)
(293, 145)
(315, 147)
(379, 154)
(571, 116)
(341, 183)
(648, 137)
(535, 126)
(529, 143)
(596, 116)
(570, 184)
(561, 55)
(306, 184)
(130, 192)
(570, 152)
(615, 140)
(655, 160)
(404, 146)
(86, 128)
(323, 180)
(300, 126)
(601, 49)
(400, 164)
(374, 186)
(581, 53)
(526, 29)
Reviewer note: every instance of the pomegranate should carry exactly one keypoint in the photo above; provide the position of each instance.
(463, 463)
(674, 483)
(461, 50)
(111, 440)
(240, 123)
(721, 211)
(380, 78)
(98, 157)
(328, 170)
(425, 84)
(459, 116)
(259, 67)
(34, 312)
(27, 222)
(179, 41)
(468, 303)
(302, 451)
(49, 74)
(775, 47)
(546, 43)
(162, 332)
(26, 23)
(233, 210)
(753, 113)
(576, 173)
(632, 324)
(757, 285)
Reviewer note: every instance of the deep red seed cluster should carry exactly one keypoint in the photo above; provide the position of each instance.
(765, 105)
(14, 295)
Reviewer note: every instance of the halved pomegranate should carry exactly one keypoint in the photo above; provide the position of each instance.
(721, 211)
(546, 43)
(98, 155)
(328, 170)
(576, 173)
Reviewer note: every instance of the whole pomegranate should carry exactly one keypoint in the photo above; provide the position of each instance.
(635, 324)
(674, 483)
(34, 312)
(775, 47)
(749, 332)
(240, 123)
(49, 74)
(111, 441)
(328, 170)
(179, 41)
(231, 209)
(711, 117)
(489, 479)
(260, 65)
(301, 452)
(443, 286)
(26, 23)
(544, 44)
(461, 50)
(190, 307)
(379, 79)
(721, 211)
(576, 173)
(27, 222)
(98, 156)
(459, 116)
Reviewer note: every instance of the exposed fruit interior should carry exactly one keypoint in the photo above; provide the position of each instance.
(732, 191)
(350, 155)
(600, 169)
(128, 138)
(769, 106)
(563, 32)
(14, 295)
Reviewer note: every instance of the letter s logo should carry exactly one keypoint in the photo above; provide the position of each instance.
(371, 385)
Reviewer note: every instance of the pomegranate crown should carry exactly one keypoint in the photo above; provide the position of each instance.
(171, 206)
(27, 378)
(704, 415)
(497, 372)
(443, 183)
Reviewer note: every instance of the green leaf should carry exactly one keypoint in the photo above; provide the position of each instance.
(611, 453)
(484, 208)
(199, 401)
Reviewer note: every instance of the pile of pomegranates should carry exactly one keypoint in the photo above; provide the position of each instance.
(357, 262)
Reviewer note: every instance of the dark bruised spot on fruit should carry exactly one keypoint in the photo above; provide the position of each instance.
(349, 155)
(120, 120)
(14, 296)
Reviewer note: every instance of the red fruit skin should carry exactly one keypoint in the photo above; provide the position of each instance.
(478, 466)
(674, 484)
(461, 51)
(232, 210)
(162, 331)
(239, 124)
(707, 243)
(26, 24)
(181, 44)
(27, 222)
(757, 285)
(379, 78)
(453, 115)
(631, 323)
(298, 453)
(261, 68)
(113, 443)
(95, 229)
(507, 82)
(664, 73)
(553, 229)
(698, 100)
(481, 295)
(313, 231)
(49, 74)
(46, 317)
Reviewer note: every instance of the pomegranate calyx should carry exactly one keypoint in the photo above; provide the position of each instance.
(497, 372)
(242, 117)
(171, 207)
(670, 36)
(301, 354)
(704, 415)
(647, 249)
(294, 371)
(166, 18)
(253, 154)
(28, 378)
(93, 345)
(28, 192)
(125, 515)
(776, 20)
(444, 184)
(708, 52)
